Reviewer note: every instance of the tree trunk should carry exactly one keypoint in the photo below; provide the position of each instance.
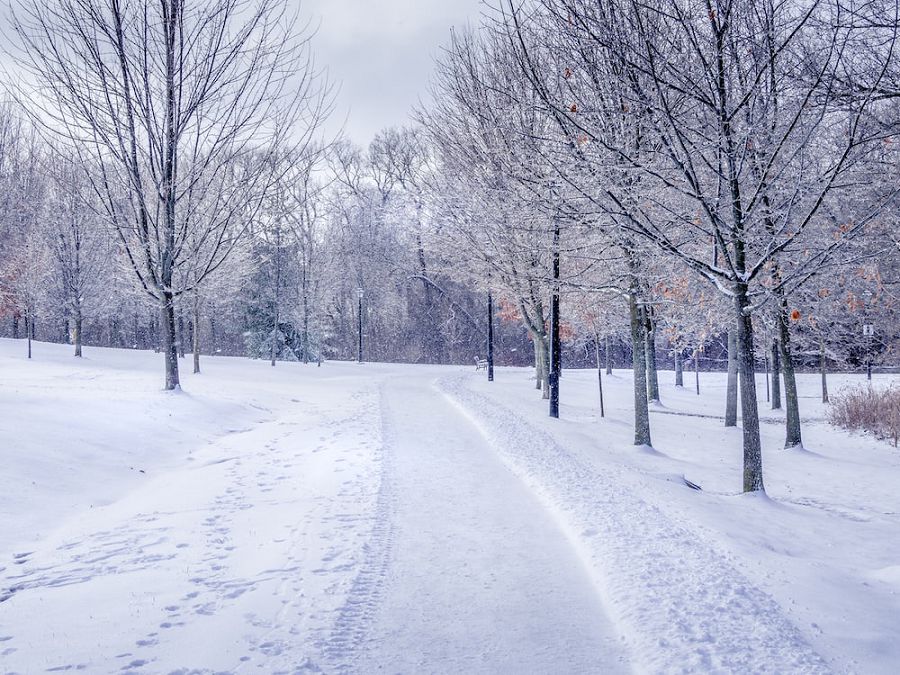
(29, 330)
(169, 341)
(753, 472)
(679, 369)
(359, 326)
(213, 334)
(545, 368)
(639, 367)
(776, 376)
(697, 369)
(180, 335)
(793, 437)
(15, 327)
(196, 333)
(538, 362)
(608, 358)
(650, 355)
(432, 339)
(77, 321)
(305, 318)
(731, 392)
(823, 369)
(273, 348)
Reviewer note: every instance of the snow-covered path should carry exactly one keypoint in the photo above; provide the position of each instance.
(357, 521)
(477, 576)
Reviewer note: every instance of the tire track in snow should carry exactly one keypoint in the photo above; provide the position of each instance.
(682, 605)
(350, 631)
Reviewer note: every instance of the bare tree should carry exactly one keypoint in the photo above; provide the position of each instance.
(164, 101)
(80, 244)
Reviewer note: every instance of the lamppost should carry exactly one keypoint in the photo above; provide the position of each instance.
(359, 352)
(555, 342)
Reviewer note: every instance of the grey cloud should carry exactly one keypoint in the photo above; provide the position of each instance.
(381, 53)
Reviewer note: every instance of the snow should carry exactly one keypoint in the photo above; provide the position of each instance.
(364, 518)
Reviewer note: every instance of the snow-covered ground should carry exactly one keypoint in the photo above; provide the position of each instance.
(419, 519)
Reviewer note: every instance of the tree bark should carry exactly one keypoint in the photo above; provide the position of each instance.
(608, 357)
(213, 334)
(776, 376)
(753, 472)
(823, 369)
(731, 392)
(196, 333)
(29, 330)
(180, 335)
(169, 342)
(305, 281)
(679, 369)
(697, 369)
(273, 347)
(544, 353)
(639, 367)
(77, 322)
(793, 437)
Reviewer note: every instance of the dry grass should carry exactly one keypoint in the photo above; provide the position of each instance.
(876, 411)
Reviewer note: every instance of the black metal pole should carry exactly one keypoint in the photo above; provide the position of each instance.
(359, 351)
(555, 346)
(599, 373)
(490, 340)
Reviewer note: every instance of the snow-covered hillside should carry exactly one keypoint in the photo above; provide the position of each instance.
(366, 518)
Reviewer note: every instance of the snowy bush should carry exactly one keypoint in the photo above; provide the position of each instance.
(876, 411)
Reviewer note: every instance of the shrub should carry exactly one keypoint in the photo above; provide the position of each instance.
(876, 411)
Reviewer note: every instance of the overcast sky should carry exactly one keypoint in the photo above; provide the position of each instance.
(381, 54)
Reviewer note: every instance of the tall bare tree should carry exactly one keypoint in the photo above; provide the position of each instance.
(165, 101)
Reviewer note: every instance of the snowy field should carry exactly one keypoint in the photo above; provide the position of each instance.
(384, 518)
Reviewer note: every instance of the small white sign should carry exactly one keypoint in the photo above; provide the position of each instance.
(868, 330)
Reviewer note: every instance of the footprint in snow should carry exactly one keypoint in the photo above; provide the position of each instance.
(137, 663)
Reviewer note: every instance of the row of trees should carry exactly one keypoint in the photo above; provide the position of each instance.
(335, 220)
(667, 181)
(163, 160)
(721, 166)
